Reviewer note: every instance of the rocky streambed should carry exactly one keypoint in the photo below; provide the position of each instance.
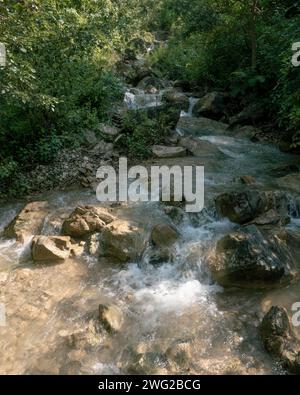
(147, 288)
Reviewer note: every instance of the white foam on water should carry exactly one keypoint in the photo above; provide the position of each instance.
(189, 113)
(105, 369)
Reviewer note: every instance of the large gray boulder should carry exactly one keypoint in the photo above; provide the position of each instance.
(250, 258)
(280, 340)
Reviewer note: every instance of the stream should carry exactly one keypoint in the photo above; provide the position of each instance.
(176, 320)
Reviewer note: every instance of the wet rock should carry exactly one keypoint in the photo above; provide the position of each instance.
(28, 222)
(284, 170)
(158, 256)
(123, 240)
(180, 353)
(150, 362)
(248, 258)
(248, 180)
(291, 182)
(177, 99)
(164, 235)
(211, 106)
(111, 317)
(202, 126)
(200, 148)
(176, 214)
(161, 151)
(86, 220)
(271, 217)
(50, 248)
(244, 206)
(280, 340)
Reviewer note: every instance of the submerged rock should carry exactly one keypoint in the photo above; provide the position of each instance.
(280, 340)
(86, 220)
(164, 235)
(50, 248)
(246, 205)
(28, 222)
(111, 317)
(202, 126)
(249, 258)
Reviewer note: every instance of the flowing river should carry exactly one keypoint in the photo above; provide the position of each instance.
(176, 319)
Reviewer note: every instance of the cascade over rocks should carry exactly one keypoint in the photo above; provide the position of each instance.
(28, 222)
(177, 99)
(280, 340)
(252, 258)
(85, 220)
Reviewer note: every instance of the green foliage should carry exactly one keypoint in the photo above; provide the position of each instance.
(143, 132)
(240, 46)
(59, 78)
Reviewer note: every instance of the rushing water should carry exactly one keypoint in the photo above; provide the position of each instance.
(176, 319)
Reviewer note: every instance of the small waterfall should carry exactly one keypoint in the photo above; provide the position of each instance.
(139, 99)
(189, 113)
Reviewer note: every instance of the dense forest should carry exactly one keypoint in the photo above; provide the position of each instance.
(62, 75)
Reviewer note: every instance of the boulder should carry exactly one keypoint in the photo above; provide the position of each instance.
(111, 317)
(246, 205)
(85, 220)
(211, 106)
(177, 99)
(248, 116)
(164, 235)
(249, 258)
(50, 248)
(200, 148)
(109, 130)
(161, 151)
(28, 222)
(280, 340)
(123, 240)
